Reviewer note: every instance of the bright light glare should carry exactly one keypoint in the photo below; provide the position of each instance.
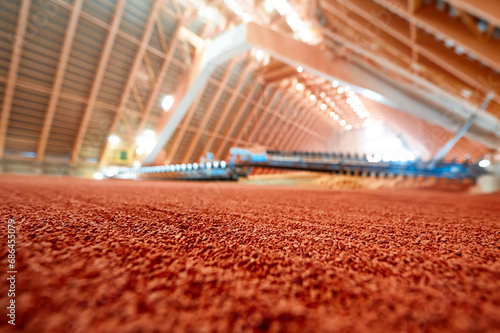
(484, 163)
(223, 164)
(247, 17)
(300, 69)
(149, 133)
(312, 98)
(235, 7)
(342, 122)
(299, 86)
(98, 176)
(139, 150)
(323, 106)
(268, 5)
(110, 172)
(282, 6)
(259, 55)
(374, 158)
(335, 84)
(340, 90)
(336, 117)
(166, 102)
(114, 139)
(348, 127)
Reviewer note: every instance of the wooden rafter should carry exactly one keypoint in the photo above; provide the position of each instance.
(246, 73)
(182, 131)
(153, 96)
(96, 86)
(133, 73)
(285, 139)
(258, 127)
(277, 114)
(237, 118)
(13, 68)
(281, 128)
(252, 112)
(61, 70)
(211, 108)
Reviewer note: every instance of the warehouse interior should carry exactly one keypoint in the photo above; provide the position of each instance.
(250, 166)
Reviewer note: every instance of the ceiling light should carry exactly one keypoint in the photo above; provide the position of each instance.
(323, 106)
(348, 100)
(299, 86)
(351, 93)
(342, 122)
(335, 84)
(348, 127)
(336, 117)
(139, 150)
(114, 139)
(312, 98)
(322, 95)
(340, 90)
(98, 176)
(137, 164)
(247, 17)
(149, 133)
(300, 69)
(347, 88)
(259, 55)
(332, 114)
(166, 102)
(328, 99)
(484, 163)
(282, 6)
(268, 5)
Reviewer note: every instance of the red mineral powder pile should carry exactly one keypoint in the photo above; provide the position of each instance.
(124, 256)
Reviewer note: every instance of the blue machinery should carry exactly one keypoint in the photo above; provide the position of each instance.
(243, 160)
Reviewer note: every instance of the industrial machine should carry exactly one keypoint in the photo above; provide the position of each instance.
(243, 160)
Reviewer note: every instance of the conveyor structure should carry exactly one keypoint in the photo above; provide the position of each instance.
(243, 160)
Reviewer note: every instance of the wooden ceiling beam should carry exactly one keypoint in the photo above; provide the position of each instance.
(98, 77)
(219, 151)
(284, 140)
(275, 114)
(61, 70)
(280, 127)
(246, 73)
(247, 123)
(485, 9)
(106, 26)
(148, 30)
(445, 25)
(257, 127)
(211, 108)
(15, 58)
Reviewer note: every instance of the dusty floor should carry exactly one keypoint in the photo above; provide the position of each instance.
(121, 256)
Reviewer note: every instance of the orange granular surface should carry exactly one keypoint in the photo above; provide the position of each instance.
(125, 256)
